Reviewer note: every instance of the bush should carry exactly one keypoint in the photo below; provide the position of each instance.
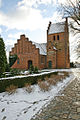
(2, 75)
(35, 70)
(31, 69)
(11, 89)
(20, 82)
(72, 65)
(44, 86)
(28, 87)
(15, 72)
(51, 81)
(7, 68)
(46, 78)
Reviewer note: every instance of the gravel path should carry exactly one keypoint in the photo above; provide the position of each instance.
(64, 107)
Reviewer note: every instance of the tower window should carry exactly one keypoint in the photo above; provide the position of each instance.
(18, 61)
(42, 59)
(57, 37)
(54, 38)
(49, 47)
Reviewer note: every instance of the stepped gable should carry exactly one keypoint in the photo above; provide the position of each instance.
(24, 45)
(56, 28)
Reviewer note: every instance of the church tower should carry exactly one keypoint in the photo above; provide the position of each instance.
(58, 45)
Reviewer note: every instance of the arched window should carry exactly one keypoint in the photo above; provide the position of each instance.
(42, 59)
(18, 61)
(54, 38)
(49, 47)
(57, 37)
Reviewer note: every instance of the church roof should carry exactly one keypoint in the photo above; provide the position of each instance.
(42, 47)
(56, 28)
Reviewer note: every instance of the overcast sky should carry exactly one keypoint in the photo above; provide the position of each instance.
(29, 17)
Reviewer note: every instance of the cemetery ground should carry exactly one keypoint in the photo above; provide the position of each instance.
(46, 100)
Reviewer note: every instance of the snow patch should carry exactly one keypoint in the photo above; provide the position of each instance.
(23, 105)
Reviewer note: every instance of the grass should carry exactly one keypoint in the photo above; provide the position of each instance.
(28, 87)
(52, 79)
(20, 82)
(44, 86)
(11, 89)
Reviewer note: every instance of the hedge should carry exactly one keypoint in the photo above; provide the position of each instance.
(21, 81)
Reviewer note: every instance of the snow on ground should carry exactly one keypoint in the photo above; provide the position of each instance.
(76, 72)
(23, 105)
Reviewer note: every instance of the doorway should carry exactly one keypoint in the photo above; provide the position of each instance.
(29, 63)
(50, 64)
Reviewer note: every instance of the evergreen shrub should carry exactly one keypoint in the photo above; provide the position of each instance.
(20, 82)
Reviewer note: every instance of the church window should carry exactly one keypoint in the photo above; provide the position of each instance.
(22, 59)
(57, 37)
(54, 38)
(42, 59)
(59, 48)
(49, 47)
(18, 61)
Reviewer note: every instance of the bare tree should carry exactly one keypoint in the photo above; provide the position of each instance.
(72, 10)
(77, 49)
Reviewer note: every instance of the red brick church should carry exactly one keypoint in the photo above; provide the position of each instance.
(53, 54)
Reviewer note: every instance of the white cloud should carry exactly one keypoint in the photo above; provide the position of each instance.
(35, 3)
(56, 17)
(10, 42)
(23, 18)
(15, 36)
(28, 3)
(26, 17)
(12, 38)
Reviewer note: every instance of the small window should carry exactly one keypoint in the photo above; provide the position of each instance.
(60, 49)
(54, 38)
(49, 47)
(57, 37)
(42, 59)
(17, 61)
(22, 59)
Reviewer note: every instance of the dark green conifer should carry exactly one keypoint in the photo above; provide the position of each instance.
(3, 59)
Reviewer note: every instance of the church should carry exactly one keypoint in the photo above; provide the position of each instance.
(53, 54)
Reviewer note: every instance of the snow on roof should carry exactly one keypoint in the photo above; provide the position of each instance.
(42, 47)
(57, 28)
